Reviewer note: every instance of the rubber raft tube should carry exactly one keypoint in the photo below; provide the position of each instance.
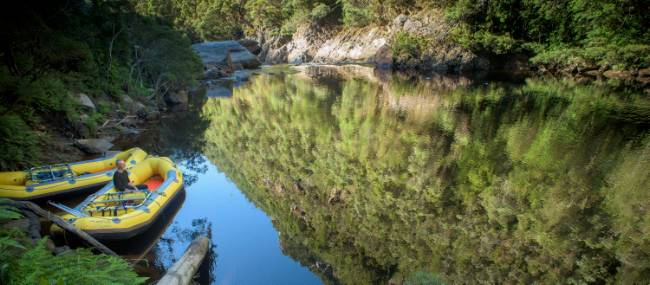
(113, 215)
(85, 175)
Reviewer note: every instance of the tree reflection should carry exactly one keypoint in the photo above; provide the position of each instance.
(388, 178)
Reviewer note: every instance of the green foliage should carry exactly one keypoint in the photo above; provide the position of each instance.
(19, 143)
(37, 265)
(407, 46)
(23, 262)
(202, 19)
(355, 15)
(101, 48)
(563, 32)
(320, 11)
(556, 32)
(8, 212)
(491, 184)
(616, 56)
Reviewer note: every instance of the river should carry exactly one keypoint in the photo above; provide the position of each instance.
(346, 175)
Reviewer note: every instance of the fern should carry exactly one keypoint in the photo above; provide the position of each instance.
(8, 212)
(39, 266)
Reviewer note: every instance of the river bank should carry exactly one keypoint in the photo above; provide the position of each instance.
(426, 42)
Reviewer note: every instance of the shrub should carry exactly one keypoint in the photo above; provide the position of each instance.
(406, 45)
(356, 16)
(320, 11)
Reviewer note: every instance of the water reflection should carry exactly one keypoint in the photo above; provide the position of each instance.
(373, 177)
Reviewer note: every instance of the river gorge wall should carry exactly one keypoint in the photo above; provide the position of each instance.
(373, 45)
(435, 51)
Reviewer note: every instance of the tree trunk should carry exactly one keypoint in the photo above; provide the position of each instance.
(182, 272)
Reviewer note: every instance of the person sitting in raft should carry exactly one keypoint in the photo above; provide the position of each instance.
(121, 179)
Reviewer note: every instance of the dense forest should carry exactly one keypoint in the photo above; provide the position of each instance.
(541, 182)
(53, 50)
(564, 32)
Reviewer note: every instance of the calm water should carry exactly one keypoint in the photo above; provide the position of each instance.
(348, 176)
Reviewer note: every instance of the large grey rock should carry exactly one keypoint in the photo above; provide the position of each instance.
(274, 49)
(251, 45)
(218, 53)
(85, 101)
(132, 106)
(94, 146)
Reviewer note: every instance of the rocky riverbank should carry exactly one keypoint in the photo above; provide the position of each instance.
(227, 63)
(421, 42)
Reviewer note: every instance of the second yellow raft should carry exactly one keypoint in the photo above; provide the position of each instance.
(47, 181)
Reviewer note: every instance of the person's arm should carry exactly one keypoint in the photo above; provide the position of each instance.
(131, 185)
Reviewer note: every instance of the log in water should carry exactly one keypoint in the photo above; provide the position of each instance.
(182, 272)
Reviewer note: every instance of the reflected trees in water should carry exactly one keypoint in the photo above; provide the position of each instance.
(544, 181)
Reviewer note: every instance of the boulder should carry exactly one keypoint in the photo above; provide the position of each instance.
(137, 107)
(80, 129)
(94, 146)
(215, 72)
(220, 52)
(85, 101)
(274, 50)
(251, 45)
(153, 114)
(399, 21)
(128, 131)
(176, 97)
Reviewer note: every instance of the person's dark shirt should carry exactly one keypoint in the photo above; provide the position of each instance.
(121, 180)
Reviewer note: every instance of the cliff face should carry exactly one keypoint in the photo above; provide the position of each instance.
(374, 45)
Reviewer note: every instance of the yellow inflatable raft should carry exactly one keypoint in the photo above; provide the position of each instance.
(47, 181)
(113, 215)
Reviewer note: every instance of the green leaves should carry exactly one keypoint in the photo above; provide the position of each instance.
(407, 46)
(38, 266)
(8, 212)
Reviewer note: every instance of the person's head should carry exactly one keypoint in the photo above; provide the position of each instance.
(120, 164)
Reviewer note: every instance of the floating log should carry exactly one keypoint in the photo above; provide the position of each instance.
(182, 272)
(65, 225)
